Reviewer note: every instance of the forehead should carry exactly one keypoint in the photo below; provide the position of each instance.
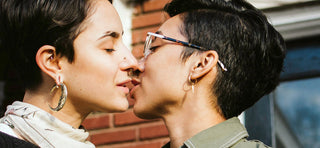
(103, 16)
(172, 28)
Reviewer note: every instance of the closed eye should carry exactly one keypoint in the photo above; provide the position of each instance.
(154, 48)
(110, 50)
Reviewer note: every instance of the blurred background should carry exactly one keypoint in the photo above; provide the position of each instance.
(289, 117)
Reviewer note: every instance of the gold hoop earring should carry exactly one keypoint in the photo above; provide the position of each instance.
(63, 96)
(192, 83)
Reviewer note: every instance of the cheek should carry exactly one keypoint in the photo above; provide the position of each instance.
(154, 74)
(87, 74)
(95, 70)
(164, 80)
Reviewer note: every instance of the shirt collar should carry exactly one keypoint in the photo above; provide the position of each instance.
(224, 134)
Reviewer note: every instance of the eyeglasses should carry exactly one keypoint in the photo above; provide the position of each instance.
(152, 37)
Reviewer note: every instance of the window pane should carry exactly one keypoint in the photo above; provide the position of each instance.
(297, 113)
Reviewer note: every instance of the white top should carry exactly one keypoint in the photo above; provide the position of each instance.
(7, 129)
(41, 128)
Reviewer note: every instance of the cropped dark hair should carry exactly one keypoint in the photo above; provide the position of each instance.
(250, 48)
(26, 25)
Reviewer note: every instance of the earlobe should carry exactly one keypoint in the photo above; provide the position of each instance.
(47, 60)
(206, 63)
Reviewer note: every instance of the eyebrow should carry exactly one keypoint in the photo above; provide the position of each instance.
(159, 32)
(112, 34)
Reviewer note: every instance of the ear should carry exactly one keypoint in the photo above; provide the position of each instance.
(48, 61)
(208, 60)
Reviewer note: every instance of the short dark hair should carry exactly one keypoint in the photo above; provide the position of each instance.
(249, 46)
(26, 25)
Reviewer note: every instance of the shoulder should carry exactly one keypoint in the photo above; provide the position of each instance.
(7, 141)
(244, 143)
(8, 130)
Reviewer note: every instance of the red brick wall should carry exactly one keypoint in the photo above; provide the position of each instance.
(147, 18)
(125, 130)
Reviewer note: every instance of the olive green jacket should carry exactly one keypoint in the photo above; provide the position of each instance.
(228, 134)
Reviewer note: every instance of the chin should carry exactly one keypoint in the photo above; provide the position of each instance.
(145, 113)
(122, 108)
(116, 107)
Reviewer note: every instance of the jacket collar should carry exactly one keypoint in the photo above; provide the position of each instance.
(224, 134)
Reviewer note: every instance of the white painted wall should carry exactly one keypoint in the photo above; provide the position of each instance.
(125, 13)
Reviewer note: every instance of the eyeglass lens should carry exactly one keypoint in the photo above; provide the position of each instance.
(149, 40)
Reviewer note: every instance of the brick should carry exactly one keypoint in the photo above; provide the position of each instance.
(138, 144)
(137, 51)
(137, 9)
(164, 142)
(97, 122)
(127, 118)
(145, 20)
(113, 137)
(144, 145)
(153, 5)
(153, 132)
(139, 36)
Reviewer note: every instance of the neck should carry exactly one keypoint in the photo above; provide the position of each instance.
(67, 114)
(194, 116)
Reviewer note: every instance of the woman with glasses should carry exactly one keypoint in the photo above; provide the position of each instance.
(72, 60)
(204, 66)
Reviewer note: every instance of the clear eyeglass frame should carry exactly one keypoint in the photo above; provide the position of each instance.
(149, 40)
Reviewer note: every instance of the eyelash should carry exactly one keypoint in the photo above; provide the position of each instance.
(154, 48)
(110, 50)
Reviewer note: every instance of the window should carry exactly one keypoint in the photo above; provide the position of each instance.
(289, 117)
(297, 98)
(297, 111)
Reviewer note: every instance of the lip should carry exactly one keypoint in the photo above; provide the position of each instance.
(135, 83)
(123, 86)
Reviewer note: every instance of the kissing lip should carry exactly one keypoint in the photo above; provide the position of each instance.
(124, 83)
(135, 83)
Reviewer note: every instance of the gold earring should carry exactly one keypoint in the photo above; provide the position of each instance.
(192, 83)
(63, 96)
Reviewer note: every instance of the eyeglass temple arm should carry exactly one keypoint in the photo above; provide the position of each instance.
(186, 44)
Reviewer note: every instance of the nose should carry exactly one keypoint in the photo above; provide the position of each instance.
(131, 64)
(141, 63)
